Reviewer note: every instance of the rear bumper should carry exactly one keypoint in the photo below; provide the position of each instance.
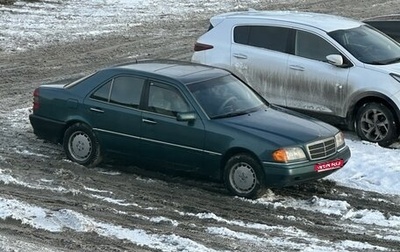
(281, 175)
(46, 128)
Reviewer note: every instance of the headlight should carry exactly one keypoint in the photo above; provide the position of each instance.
(339, 139)
(285, 155)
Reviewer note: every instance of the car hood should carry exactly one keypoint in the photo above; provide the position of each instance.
(391, 68)
(281, 127)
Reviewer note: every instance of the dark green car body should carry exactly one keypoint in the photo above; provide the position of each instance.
(118, 109)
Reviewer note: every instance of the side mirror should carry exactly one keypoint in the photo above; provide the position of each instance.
(186, 117)
(335, 59)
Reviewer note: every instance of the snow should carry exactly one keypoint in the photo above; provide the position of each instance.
(56, 221)
(27, 25)
(371, 168)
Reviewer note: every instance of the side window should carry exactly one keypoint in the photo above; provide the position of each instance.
(122, 90)
(311, 46)
(127, 91)
(241, 35)
(164, 99)
(268, 37)
(103, 93)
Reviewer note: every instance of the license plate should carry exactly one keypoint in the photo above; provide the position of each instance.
(330, 165)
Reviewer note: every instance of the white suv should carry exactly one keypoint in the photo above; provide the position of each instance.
(337, 69)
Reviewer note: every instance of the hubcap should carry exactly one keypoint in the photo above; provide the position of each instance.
(374, 125)
(243, 178)
(80, 146)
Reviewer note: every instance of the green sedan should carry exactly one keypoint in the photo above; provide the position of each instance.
(189, 117)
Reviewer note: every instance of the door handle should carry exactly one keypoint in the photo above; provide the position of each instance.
(296, 67)
(149, 121)
(97, 110)
(240, 56)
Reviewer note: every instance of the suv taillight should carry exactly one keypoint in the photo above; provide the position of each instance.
(36, 99)
(202, 47)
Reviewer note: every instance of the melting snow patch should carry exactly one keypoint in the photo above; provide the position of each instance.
(285, 230)
(120, 202)
(314, 204)
(28, 25)
(96, 190)
(57, 221)
(284, 244)
(111, 173)
(361, 245)
(366, 170)
(19, 118)
(373, 217)
(28, 153)
(9, 179)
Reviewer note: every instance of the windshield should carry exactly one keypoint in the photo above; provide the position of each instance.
(225, 96)
(368, 45)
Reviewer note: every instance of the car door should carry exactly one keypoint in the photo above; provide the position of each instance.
(259, 56)
(115, 116)
(313, 84)
(166, 141)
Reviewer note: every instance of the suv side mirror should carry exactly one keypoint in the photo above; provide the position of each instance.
(335, 59)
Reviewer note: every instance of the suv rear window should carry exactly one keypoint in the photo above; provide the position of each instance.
(268, 37)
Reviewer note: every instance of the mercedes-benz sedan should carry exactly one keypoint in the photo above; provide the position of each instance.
(189, 117)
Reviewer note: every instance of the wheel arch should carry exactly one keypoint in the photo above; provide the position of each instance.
(86, 150)
(369, 97)
(68, 124)
(234, 151)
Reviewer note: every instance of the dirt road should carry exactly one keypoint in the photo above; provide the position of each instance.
(172, 209)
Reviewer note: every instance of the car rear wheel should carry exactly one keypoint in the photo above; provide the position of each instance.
(81, 145)
(376, 123)
(243, 176)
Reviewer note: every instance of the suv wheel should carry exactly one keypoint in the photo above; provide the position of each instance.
(376, 123)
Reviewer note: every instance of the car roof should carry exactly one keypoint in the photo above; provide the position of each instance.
(321, 21)
(185, 72)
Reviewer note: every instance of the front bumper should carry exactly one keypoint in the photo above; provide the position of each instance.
(283, 174)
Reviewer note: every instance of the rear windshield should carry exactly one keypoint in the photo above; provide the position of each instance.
(75, 82)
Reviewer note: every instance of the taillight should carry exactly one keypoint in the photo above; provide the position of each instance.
(202, 47)
(36, 99)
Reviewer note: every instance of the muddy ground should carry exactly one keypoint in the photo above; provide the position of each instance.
(154, 193)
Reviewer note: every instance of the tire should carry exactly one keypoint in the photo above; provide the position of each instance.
(376, 123)
(243, 177)
(81, 145)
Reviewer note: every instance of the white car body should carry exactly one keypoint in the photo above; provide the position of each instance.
(335, 87)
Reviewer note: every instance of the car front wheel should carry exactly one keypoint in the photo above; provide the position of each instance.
(376, 123)
(81, 145)
(243, 177)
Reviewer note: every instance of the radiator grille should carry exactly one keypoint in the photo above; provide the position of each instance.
(321, 149)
